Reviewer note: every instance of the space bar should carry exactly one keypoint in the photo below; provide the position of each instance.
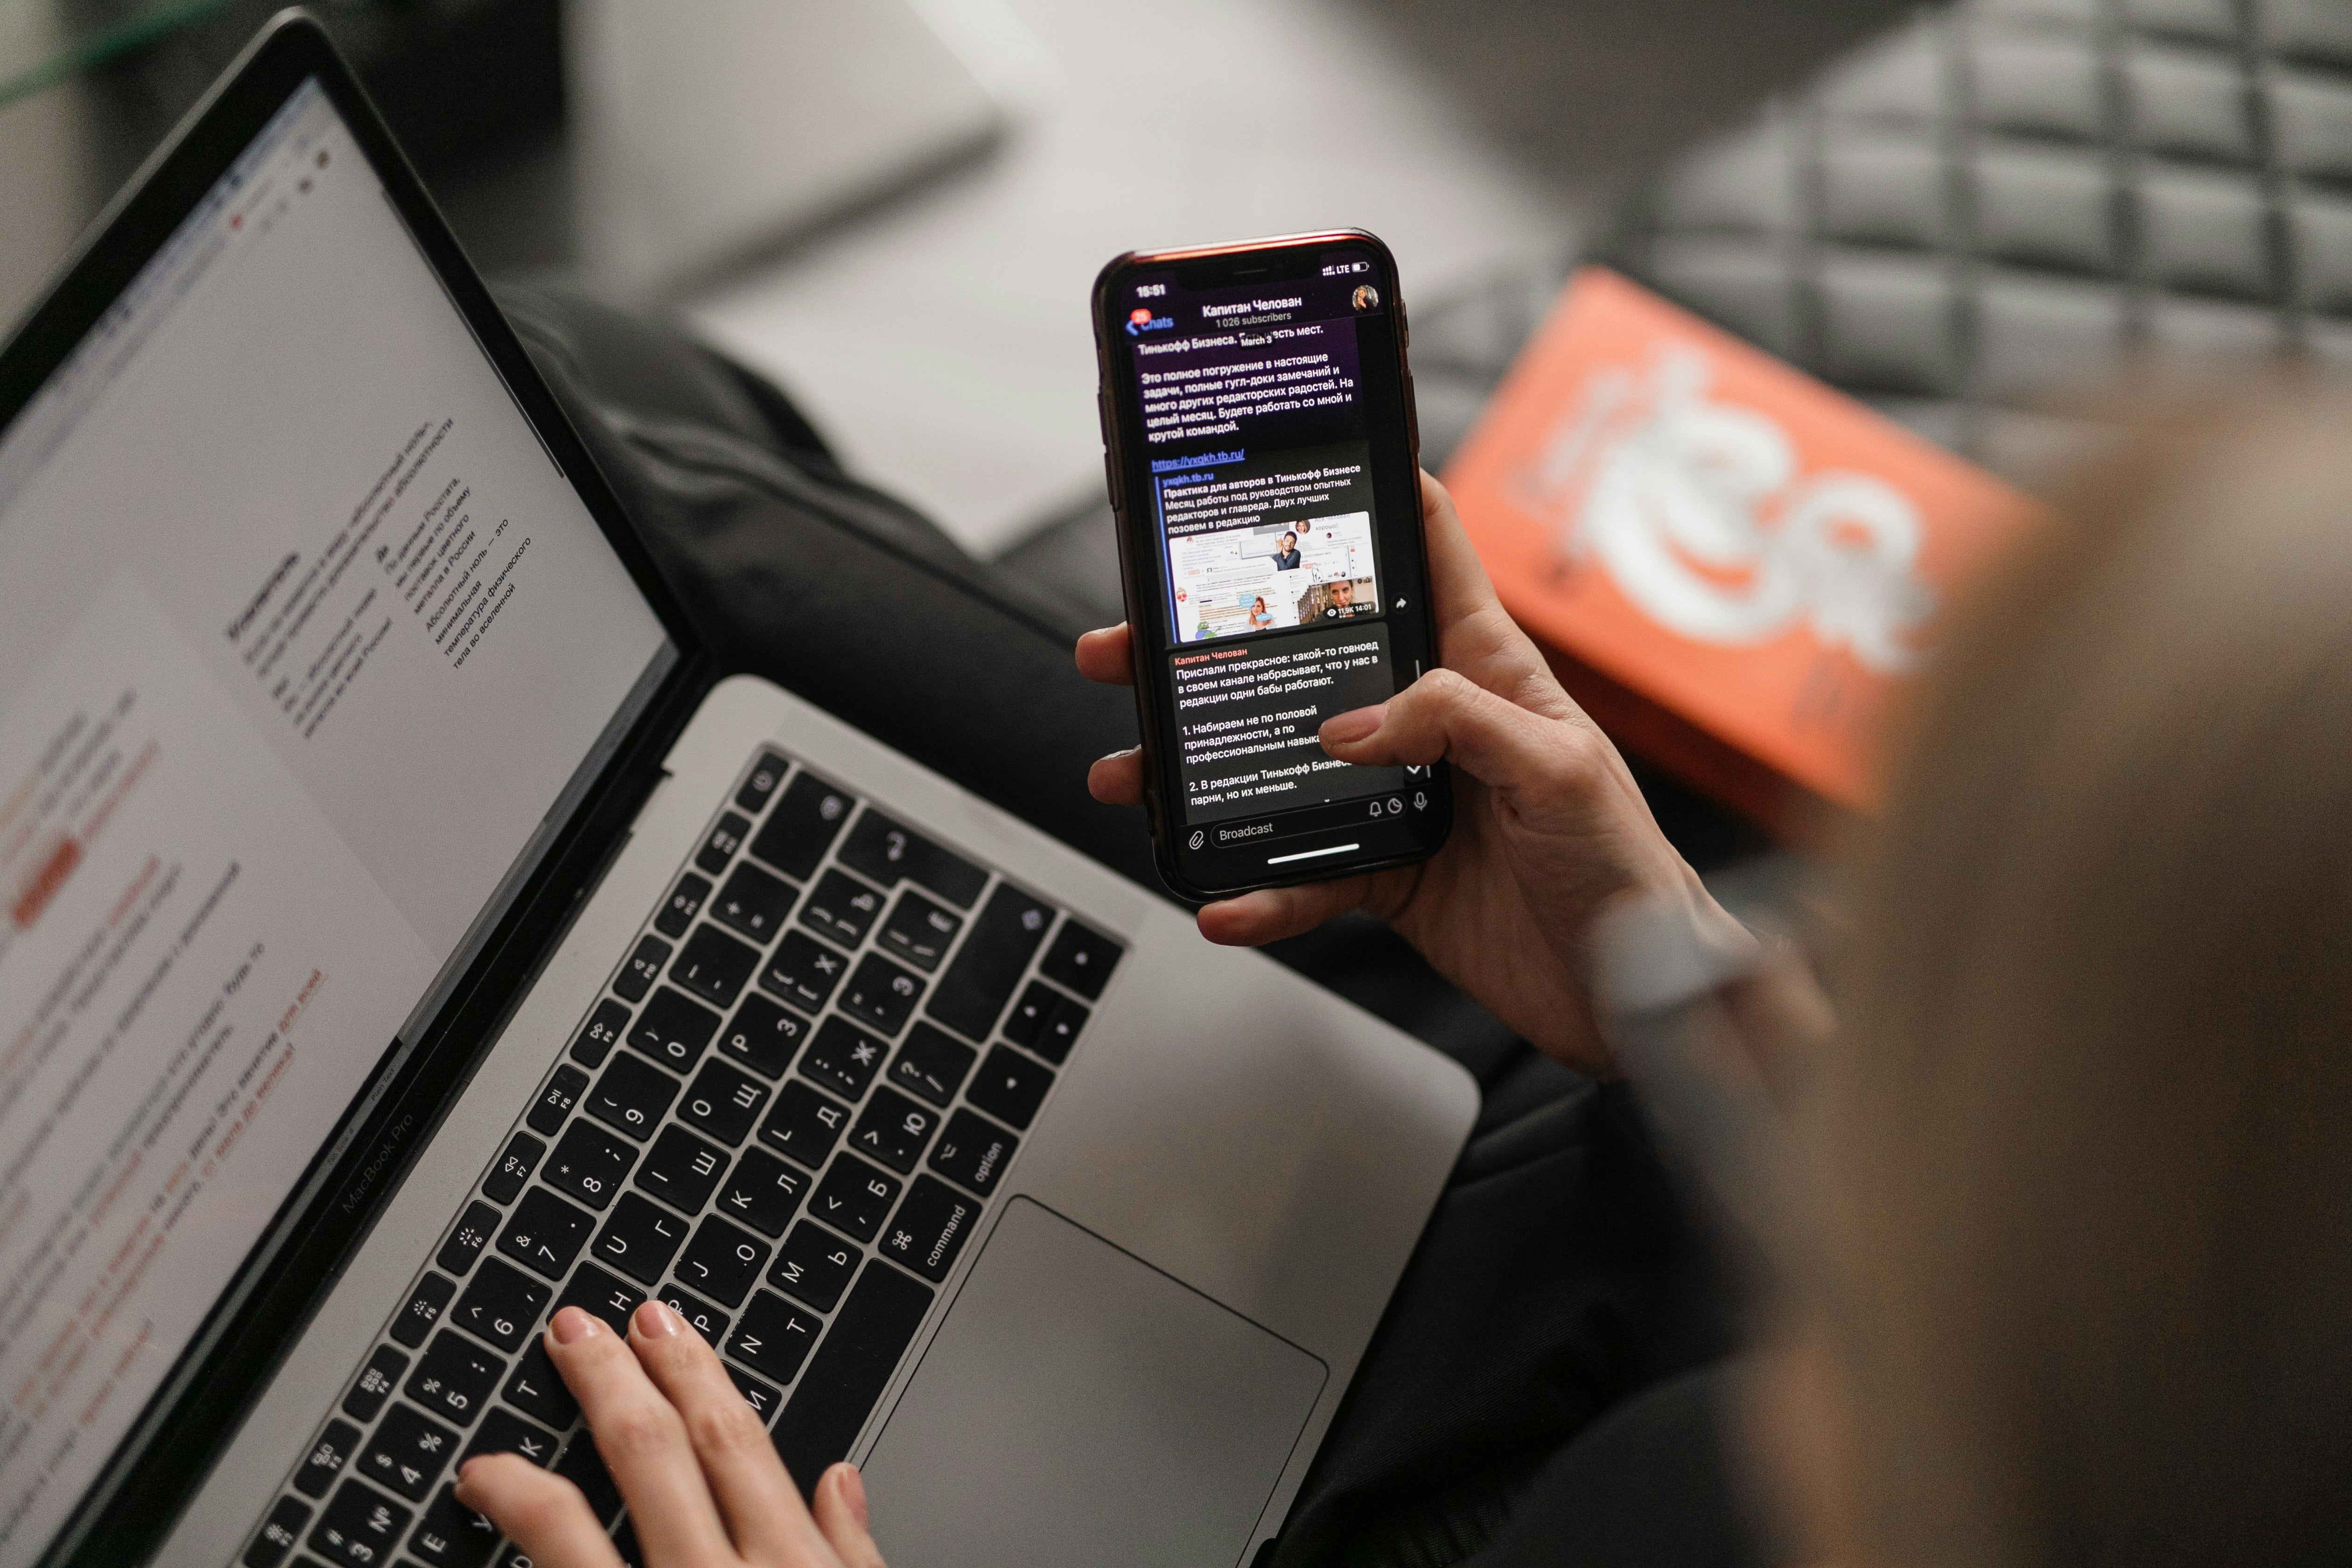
(847, 1373)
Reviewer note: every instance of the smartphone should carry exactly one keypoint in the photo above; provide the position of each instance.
(1264, 462)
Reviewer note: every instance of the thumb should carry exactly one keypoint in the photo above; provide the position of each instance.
(841, 1515)
(1443, 717)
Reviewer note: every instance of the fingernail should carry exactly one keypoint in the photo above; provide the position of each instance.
(1346, 728)
(656, 1321)
(852, 1492)
(570, 1326)
(466, 1480)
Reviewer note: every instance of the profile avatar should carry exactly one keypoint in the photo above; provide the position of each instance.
(1365, 297)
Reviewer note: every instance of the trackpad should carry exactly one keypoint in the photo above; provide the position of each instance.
(1078, 1406)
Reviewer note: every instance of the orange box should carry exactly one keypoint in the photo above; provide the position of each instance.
(1734, 567)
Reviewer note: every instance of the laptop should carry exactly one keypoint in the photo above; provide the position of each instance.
(406, 935)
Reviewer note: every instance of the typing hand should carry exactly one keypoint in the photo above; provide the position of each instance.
(702, 1482)
(1548, 825)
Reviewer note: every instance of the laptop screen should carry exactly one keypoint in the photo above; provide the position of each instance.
(305, 644)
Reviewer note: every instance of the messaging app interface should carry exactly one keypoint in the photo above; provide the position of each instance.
(1260, 491)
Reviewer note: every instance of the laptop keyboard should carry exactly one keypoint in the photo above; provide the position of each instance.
(785, 1117)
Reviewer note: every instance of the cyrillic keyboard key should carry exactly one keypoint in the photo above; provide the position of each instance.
(360, 1529)
(1081, 959)
(714, 965)
(760, 784)
(803, 971)
(699, 1315)
(681, 1169)
(374, 1385)
(589, 1163)
(894, 1129)
(545, 1234)
(725, 838)
(1010, 1086)
(674, 1030)
(723, 1102)
(971, 994)
(686, 901)
(847, 1373)
(454, 1378)
(722, 1260)
(584, 1469)
(504, 1184)
(601, 1295)
(1031, 1014)
(854, 1197)
(773, 1337)
(504, 1432)
(920, 931)
(1061, 1031)
(806, 820)
(763, 1192)
(408, 1453)
(631, 1095)
(813, 1266)
(500, 1306)
(642, 968)
(843, 1058)
(472, 1232)
(753, 903)
(881, 994)
(933, 1064)
(556, 1100)
(537, 1390)
(804, 1124)
(841, 907)
(929, 1228)
(762, 1399)
(277, 1533)
(639, 1239)
(599, 1034)
(327, 1458)
(882, 851)
(764, 1035)
(974, 1152)
(425, 1303)
(451, 1535)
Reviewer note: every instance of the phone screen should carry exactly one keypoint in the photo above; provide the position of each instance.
(1269, 473)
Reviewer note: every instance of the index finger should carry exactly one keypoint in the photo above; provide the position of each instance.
(1108, 656)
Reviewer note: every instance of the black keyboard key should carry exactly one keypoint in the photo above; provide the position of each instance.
(700, 1316)
(894, 1129)
(500, 1306)
(1031, 1014)
(504, 1432)
(1005, 934)
(721, 1260)
(761, 785)
(277, 1533)
(933, 1064)
(974, 1152)
(624, 1546)
(686, 901)
(1010, 1086)
(763, 1398)
(505, 1179)
(854, 1197)
(920, 931)
(327, 1458)
(472, 1232)
(881, 994)
(681, 1169)
(639, 1239)
(556, 1100)
(642, 968)
(848, 1371)
(589, 1163)
(843, 1058)
(714, 966)
(753, 903)
(885, 851)
(929, 1228)
(674, 1030)
(537, 1389)
(1061, 1030)
(408, 1453)
(597, 1037)
(773, 1337)
(454, 1379)
(361, 1529)
(631, 1095)
(763, 1193)
(803, 971)
(841, 907)
(804, 1124)
(602, 1295)
(764, 1037)
(414, 1320)
(724, 1102)
(545, 1234)
(1081, 959)
(584, 1469)
(724, 840)
(451, 1535)
(814, 1266)
(807, 818)
(374, 1383)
